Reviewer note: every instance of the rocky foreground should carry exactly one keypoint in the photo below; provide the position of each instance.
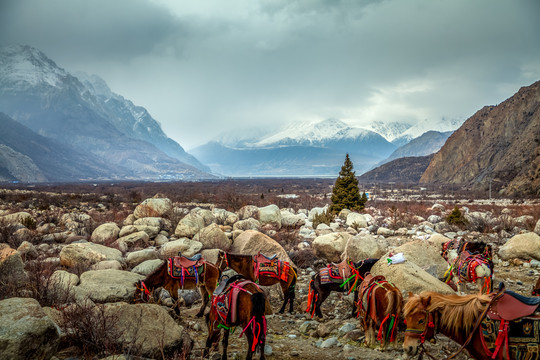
(68, 278)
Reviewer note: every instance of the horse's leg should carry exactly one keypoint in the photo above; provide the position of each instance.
(249, 337)
(355, 307)
(285, 296)
(204, 295)
(323, 294)
(225, 344)
(213, 336)
(291, 287)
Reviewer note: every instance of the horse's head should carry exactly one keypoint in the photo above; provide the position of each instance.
(222, 262)
(365, 265)
(142, 294)
(419, 322)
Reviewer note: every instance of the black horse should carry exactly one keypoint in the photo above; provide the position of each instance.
(319, 291)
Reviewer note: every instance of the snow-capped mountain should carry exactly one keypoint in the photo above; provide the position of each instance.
(312, 148)
(87, 117)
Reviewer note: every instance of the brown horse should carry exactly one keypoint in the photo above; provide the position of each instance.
(319, 290)
(205, 280)
(379, 306)
(485, 325)
(249, 305)
(245, 265)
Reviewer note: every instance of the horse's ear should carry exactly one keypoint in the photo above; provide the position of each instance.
(426, 301)
(410, 294)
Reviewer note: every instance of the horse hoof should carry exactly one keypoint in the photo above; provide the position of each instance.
(198, 315)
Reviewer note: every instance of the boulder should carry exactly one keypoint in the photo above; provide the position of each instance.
(184, 246)
(252, 242)
(356, 220)
(63, 282)
(151, 231)
(86, 254)
(138, 239)
(385, 231)
(523, 246)
(361, 247)
(423, 255)
(102, 286)
(408, 276)
(270, 215)
(160, 239)
(436, 240)
(288, 219)
(107, 264)
(27, 250)
(331, 246)
(212, 237)
(154, 222)
(126, 230)
(12, 266)
(147, 267)
(136, 257)
(343, 214)
(17, 218)
(26, 332)
(247, 224)
(206, 214)
(162, 333)
(190, 225)
(153, 207)
(248, 211)
(107, 232)
(224, 217)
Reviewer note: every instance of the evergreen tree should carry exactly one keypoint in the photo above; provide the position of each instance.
(346, 194)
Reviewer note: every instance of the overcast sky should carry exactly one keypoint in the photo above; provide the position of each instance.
(205, 67)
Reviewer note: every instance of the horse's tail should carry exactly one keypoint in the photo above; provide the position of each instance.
(292, 286)
(395, 304)
(258, 309)
(312, 296)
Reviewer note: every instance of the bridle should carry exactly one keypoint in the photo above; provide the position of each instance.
(224, 257)
(428, 332)
(145, 293)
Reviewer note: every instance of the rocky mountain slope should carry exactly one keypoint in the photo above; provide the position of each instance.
(426, 144)
(499, 143)
(29, 157)
(37, 93)
(405, 170)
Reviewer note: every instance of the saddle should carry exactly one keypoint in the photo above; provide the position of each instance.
(343, 268)
(263, 258)
(182, 267)
(185, 262)
(511, 306)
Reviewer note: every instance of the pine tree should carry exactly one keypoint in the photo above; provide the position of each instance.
(346, 194)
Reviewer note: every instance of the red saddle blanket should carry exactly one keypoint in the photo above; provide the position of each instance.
(274, 268)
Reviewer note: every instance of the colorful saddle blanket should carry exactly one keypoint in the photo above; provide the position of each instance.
(466, 265)
(523, 338)
(331, 274)
(224, 303)
(177, 270)
(270, 267)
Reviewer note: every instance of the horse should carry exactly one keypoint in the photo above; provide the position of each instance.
(466, 267)
(536, 288)
(321, 286)
(379, 306)
(492, 326)
(275, 271)
(241, 303)
(205, 278)
(474, 247)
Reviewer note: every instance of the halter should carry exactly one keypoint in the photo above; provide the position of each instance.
(428, 332)
(144, 291)
(224, 258)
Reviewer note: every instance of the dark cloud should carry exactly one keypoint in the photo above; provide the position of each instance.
(202, 67)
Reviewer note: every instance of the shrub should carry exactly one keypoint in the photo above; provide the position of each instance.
(456, 218)
(322, 218)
